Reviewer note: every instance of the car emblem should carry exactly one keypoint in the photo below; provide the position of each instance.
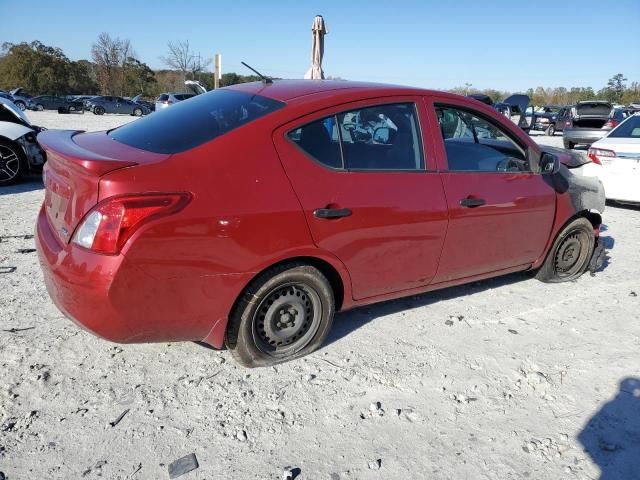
(64, 232)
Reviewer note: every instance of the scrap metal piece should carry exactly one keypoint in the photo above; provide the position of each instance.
(119, 419)
(183, 465)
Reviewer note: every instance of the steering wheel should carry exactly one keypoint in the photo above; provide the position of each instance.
(507, 165)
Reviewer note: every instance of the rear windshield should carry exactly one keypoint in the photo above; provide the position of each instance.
(628, 129)
(188, 124)
(183, 96)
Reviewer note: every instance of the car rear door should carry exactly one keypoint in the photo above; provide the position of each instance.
(369, 190)
(500, 209)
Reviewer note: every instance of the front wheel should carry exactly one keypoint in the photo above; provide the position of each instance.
(570, 254)
(21, 105)
(39, 107)
(137, 112)
(284, 314)
(13, 165)
(551, 130)
(98, 110)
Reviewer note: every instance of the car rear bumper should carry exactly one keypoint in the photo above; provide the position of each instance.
(585, 136)
(618, 185)
(115, 299)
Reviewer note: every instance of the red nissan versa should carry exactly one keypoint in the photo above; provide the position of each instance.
(247, 216)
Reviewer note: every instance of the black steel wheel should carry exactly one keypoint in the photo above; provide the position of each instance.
(285, 313)
(12, 163)
(570, 254)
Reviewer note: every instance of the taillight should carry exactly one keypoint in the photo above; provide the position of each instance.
(594, 154)
(568, 123)
(611, 124)
(107, 227)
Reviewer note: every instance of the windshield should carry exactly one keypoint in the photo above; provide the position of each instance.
(627, 129)
(189, 124)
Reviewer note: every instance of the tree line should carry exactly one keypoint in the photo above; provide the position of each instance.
(115, 69)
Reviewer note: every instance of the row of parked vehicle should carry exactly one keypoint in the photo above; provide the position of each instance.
(99, 104)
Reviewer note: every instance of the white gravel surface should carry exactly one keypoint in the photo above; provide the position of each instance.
(502, 379)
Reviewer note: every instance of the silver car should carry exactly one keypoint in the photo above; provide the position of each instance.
(166, 99)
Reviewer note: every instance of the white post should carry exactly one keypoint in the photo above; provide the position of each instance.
(217, 75)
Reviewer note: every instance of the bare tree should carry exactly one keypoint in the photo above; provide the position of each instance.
(111, 57)
(180, 57)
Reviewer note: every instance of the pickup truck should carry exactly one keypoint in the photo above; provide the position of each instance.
(588, 123)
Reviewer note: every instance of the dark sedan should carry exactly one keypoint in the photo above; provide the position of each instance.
(108, 104)
(52, 102)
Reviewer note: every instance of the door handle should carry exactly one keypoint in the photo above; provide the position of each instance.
(331, 212)
(472, 202)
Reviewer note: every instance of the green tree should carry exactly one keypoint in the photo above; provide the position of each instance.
(615, 88)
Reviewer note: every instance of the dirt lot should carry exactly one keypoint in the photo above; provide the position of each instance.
(503, 379)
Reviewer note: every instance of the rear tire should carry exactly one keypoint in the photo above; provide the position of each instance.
(285, 313)
(13, 164)
(570, 254)
(551, 130)
(39, 107)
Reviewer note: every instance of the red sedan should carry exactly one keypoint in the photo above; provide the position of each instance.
(249, 215)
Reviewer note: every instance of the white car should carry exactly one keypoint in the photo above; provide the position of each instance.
(615, 160)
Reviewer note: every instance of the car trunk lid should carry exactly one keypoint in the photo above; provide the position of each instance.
(75, 163)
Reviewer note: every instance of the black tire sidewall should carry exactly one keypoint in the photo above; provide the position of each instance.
(547, 272)
(98, 111)
(551, 130)
(239, 338)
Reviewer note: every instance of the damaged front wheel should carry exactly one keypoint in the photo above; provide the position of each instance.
(570, 254)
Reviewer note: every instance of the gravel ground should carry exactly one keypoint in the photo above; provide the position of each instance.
(502, 379)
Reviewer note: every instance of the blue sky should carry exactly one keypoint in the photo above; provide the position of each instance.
(501, 44)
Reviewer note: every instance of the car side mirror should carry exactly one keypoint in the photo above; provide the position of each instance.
(549, 164)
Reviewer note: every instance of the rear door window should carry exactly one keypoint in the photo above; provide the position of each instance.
(189, 124)
(381, 137)
(475, 144)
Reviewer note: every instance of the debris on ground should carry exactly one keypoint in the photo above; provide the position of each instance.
(375, 464)
(119, 419)
(290, 473)
(183, 465)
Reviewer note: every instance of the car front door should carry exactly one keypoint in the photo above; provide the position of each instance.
(369, 191)
(500, 208)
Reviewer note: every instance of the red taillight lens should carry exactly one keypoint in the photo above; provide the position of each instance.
(107, 227)
(611, 124)
(594, 154)
(568, 123)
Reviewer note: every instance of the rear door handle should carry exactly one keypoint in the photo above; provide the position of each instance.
(472, 202)
(331, 212)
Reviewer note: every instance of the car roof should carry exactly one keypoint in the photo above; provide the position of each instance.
(286, 90)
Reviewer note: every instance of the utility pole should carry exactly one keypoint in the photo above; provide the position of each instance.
(217, 73)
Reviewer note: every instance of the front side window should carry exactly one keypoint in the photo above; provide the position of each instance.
(383, 137)
(476, 145)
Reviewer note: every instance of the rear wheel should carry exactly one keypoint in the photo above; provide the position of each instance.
(570, 254)
(98, 110)
(13, 164)
(137, 112)
(284, 314)
(551, 130)
(39, 107)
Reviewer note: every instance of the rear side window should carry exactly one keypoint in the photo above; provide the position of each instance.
(474, 145)
(382, 137)
(189, 124)
(629, 129)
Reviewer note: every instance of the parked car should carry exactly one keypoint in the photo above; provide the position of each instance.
(588, 123)
(616, 161)
(516, 107)
(166, 99)
(139, 99)
(248, 215)
(109, 104)
(52, 102)
(19, 150)
(20, 98)
(546, 117)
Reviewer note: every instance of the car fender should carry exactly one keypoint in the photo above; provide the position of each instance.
(13, 131)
